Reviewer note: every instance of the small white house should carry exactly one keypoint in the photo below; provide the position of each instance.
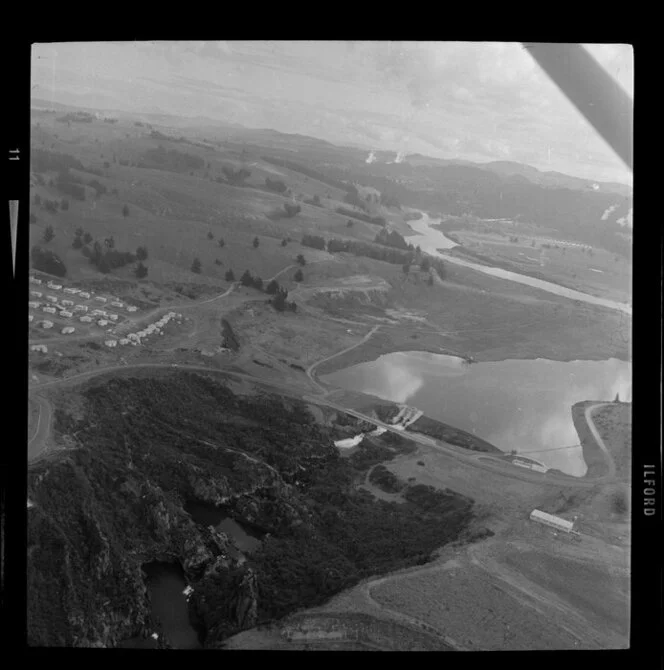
(74, 291)
(30, 318)
(47, 324)
(84, 294)
(86, 319)
(39, 347)
(81, 308)
(102, 322)
(67, 315)
(100, 298)
(67, 303)
(131, 308)
(97, 312)
(117, 303)
(111, 343)
(34, 304)
(34, 280)
(124, 340)
(113, 317)
(52, 298)
(35, 294)
(49, 310)
(71, 291)
(67, 330)
(57, 287)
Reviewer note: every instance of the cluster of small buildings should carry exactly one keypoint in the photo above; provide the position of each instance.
(152, 329)
(39, 347)
(67, 309)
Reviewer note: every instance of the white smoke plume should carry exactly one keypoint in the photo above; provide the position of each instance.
(606, 214)
(626, 220)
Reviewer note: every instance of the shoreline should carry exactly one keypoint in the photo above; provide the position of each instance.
(368, 352)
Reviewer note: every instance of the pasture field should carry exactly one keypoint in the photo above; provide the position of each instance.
(602, 274)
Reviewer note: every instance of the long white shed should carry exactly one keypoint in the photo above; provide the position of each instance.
(551, 520)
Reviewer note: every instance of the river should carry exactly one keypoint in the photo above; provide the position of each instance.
(432, 240)
(522, 405)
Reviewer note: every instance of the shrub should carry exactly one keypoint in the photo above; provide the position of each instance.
(298, 276)
(141, 253)
(196, 265)
(49, 234)
(230, 275)
(141, 271)
(125, 211)
(246, 279)
(47, 261)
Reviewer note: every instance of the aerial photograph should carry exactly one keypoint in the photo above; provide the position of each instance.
(330, 346)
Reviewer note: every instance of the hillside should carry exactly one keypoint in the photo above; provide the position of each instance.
(147, 447)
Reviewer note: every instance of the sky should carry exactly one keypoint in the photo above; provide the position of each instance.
(478, 101)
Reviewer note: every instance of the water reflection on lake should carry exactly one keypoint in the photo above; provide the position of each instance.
(209, 515)
(166, 584)
(514, 404)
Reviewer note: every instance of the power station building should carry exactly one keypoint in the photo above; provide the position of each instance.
(553, 521)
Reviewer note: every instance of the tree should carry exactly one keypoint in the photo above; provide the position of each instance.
(196, 265)
(349, 224)
(272, 287)
(430, 280)
(279, 301)
(79, 232)
(298, 276)
(406, 268)
(141, 271)
(291, 210)
(230, 275)
(49, 234)
(141, 253)
(221, 242)
(87, 238)
(284, 243)
(110, 242)
(246, 279)
(125, 211)
(258, 283)
(300, 260)
(77, 243)
(425, 265)
(256, 242)
(38, 199)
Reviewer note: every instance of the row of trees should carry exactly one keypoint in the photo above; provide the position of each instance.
(404, 257)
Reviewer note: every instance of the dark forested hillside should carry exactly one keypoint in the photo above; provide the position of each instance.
(144, 447)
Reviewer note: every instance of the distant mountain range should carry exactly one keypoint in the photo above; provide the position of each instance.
(516, 172)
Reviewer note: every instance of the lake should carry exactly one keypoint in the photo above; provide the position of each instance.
(209, 515)
(431, 240)
(513, 404)
(169, 606)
